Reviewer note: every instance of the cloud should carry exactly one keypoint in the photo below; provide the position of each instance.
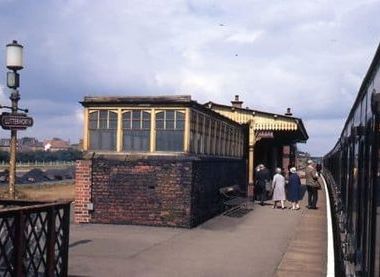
(68, 127)
(245, 37)
(307, 55)
(323, 133)
(3, 96)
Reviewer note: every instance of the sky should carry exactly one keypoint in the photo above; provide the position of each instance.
(310, 56)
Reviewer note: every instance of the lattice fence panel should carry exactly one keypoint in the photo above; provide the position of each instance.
(34, 240)
(36, 243)
(59, 246)
(7, 242)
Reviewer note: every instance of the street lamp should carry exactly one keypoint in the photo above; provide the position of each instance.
(14, 62)
(14, 56)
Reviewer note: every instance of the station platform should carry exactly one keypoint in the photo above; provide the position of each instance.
(261, 241)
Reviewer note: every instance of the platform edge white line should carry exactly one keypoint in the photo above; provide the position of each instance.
(330, 238)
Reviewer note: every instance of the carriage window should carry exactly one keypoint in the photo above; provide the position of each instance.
(170, 126)
(136, 131)
(102, 130)
(217, 138)
(212, 141)
(207, 135)
(223, 139)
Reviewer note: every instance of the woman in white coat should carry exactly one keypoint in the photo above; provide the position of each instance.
(278, 186)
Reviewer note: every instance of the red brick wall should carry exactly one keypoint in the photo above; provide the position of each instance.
(82, 191)
(151, 192)
(166, 191)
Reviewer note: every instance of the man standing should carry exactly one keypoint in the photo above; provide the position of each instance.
(262, 177)
(311, 185)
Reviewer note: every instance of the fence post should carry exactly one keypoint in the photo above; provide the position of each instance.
(19, 245)
(65, 239)
(51, 238)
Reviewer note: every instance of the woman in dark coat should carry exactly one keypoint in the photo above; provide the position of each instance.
(294, 188)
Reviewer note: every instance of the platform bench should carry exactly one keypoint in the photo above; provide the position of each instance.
(232, 197)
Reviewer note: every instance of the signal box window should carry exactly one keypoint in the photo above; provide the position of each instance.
(136, 131)
(102, 130)
(170, 127)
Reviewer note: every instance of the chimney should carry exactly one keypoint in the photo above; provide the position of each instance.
(288, 112)
(236, 103)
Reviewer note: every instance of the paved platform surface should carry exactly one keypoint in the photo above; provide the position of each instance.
(263, 242)
(307, 251)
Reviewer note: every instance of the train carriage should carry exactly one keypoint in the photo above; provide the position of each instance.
(352, 169)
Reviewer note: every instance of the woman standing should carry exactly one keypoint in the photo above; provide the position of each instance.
(294, 188)
(278, 189)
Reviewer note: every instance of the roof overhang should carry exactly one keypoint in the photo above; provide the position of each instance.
(288, 127)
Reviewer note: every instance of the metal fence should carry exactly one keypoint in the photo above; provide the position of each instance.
(34, 238)
(4, 165)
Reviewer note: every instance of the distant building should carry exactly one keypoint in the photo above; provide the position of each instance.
(77, 146)
(4, 144)
(29, 144)
(317, 160)
(56, 144)
(25, 144)
(302, 158)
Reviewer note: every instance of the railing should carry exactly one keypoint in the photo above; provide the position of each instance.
(36, 164)
(34, 238)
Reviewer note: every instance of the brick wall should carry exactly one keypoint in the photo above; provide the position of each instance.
(148, 192)
(170, 191)
(82, 191)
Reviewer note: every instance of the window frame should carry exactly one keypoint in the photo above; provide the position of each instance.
(132, 129)
(103, 130)
(166, 128)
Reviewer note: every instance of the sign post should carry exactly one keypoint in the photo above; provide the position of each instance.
(17, 121)
(14, 120)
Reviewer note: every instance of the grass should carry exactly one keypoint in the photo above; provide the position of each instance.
(51, 192)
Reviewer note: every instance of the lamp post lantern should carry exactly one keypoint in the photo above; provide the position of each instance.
(14, 56)
(14, 120)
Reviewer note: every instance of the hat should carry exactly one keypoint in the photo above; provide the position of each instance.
(309, 162)
(293, 170)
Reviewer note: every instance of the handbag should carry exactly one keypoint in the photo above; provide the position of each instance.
(270, 193)
(318, 183)
(268, 186)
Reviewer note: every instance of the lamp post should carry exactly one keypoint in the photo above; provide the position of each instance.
(14, 62)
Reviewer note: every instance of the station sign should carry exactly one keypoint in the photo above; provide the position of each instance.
(265, 134)
(15, 121)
